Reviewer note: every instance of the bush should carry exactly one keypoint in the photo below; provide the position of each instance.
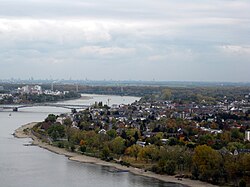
(164, 166)
(156, 169)
(170, 167)
(83, 148)
(56, 131)
(60, 144)
(123, 163)
(160, 168)
(72, 148)
(242, 183)
(195, 172)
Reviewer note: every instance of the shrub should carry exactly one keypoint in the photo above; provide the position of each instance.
(60, 144)
(123, 163)
(170, 167)
(72, 148)
(82, 148)
(242, 183)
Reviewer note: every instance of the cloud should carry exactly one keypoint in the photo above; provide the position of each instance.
(235, 49)
(52, 30)
(104, 51)
(173, 54)
(140, 39)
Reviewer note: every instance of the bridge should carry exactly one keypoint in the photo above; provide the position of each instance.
(73, 108)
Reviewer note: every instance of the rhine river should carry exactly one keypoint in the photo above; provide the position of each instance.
(31, 166)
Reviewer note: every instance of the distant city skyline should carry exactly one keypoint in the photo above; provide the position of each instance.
(182, 40)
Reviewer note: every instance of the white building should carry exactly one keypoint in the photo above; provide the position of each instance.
(49, 92)
(247, 135)
(36, 89)
(102, 131)
(25, 89)
(31, 89)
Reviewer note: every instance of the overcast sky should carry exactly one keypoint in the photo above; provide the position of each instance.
(180, 40)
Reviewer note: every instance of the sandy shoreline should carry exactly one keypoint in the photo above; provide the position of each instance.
(20, 133)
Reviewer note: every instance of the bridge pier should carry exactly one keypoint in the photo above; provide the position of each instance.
(15, 109)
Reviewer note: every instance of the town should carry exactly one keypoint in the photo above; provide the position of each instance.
(206, 138)
(34, 94)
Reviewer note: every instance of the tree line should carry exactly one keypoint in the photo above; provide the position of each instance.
(201, 161)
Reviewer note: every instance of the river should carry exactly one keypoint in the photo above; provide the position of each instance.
(31, 166)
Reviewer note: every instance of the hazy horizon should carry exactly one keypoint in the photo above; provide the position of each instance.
(182, 40)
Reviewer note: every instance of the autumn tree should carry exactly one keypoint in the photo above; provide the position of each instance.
(149, 152)
(207, 162)
(117, 145)
(166, 94)
(133, 151)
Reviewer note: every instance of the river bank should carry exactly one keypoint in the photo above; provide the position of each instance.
(24, 132)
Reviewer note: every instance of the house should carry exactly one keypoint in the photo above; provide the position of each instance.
(164, 141)
(60, 120)
(247, 135)
(102, 131)
(141, 143)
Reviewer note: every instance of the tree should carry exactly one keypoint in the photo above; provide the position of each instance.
(136, 136)
(84, 126)
(112, 133)
(245, 163)
(149, 152)
(159, 135)
(82, 148)
(236, 134)
(124, 135)
(207, 139)
(91, 138)
(51, 118)
(181, 155)
(172, 141)
(170, 167)
(167, 167)
(133, 151)
(100, 104)
(208, 163)
(237, 166)
(225, 137)
(242, 183)
(231, 146)
(167, 93)
(118, 145)
(67, 122)
(72, 135)
(56, 131)
(105, 152)
(231, 167)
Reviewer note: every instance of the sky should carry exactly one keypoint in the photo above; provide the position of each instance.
(162, 40)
